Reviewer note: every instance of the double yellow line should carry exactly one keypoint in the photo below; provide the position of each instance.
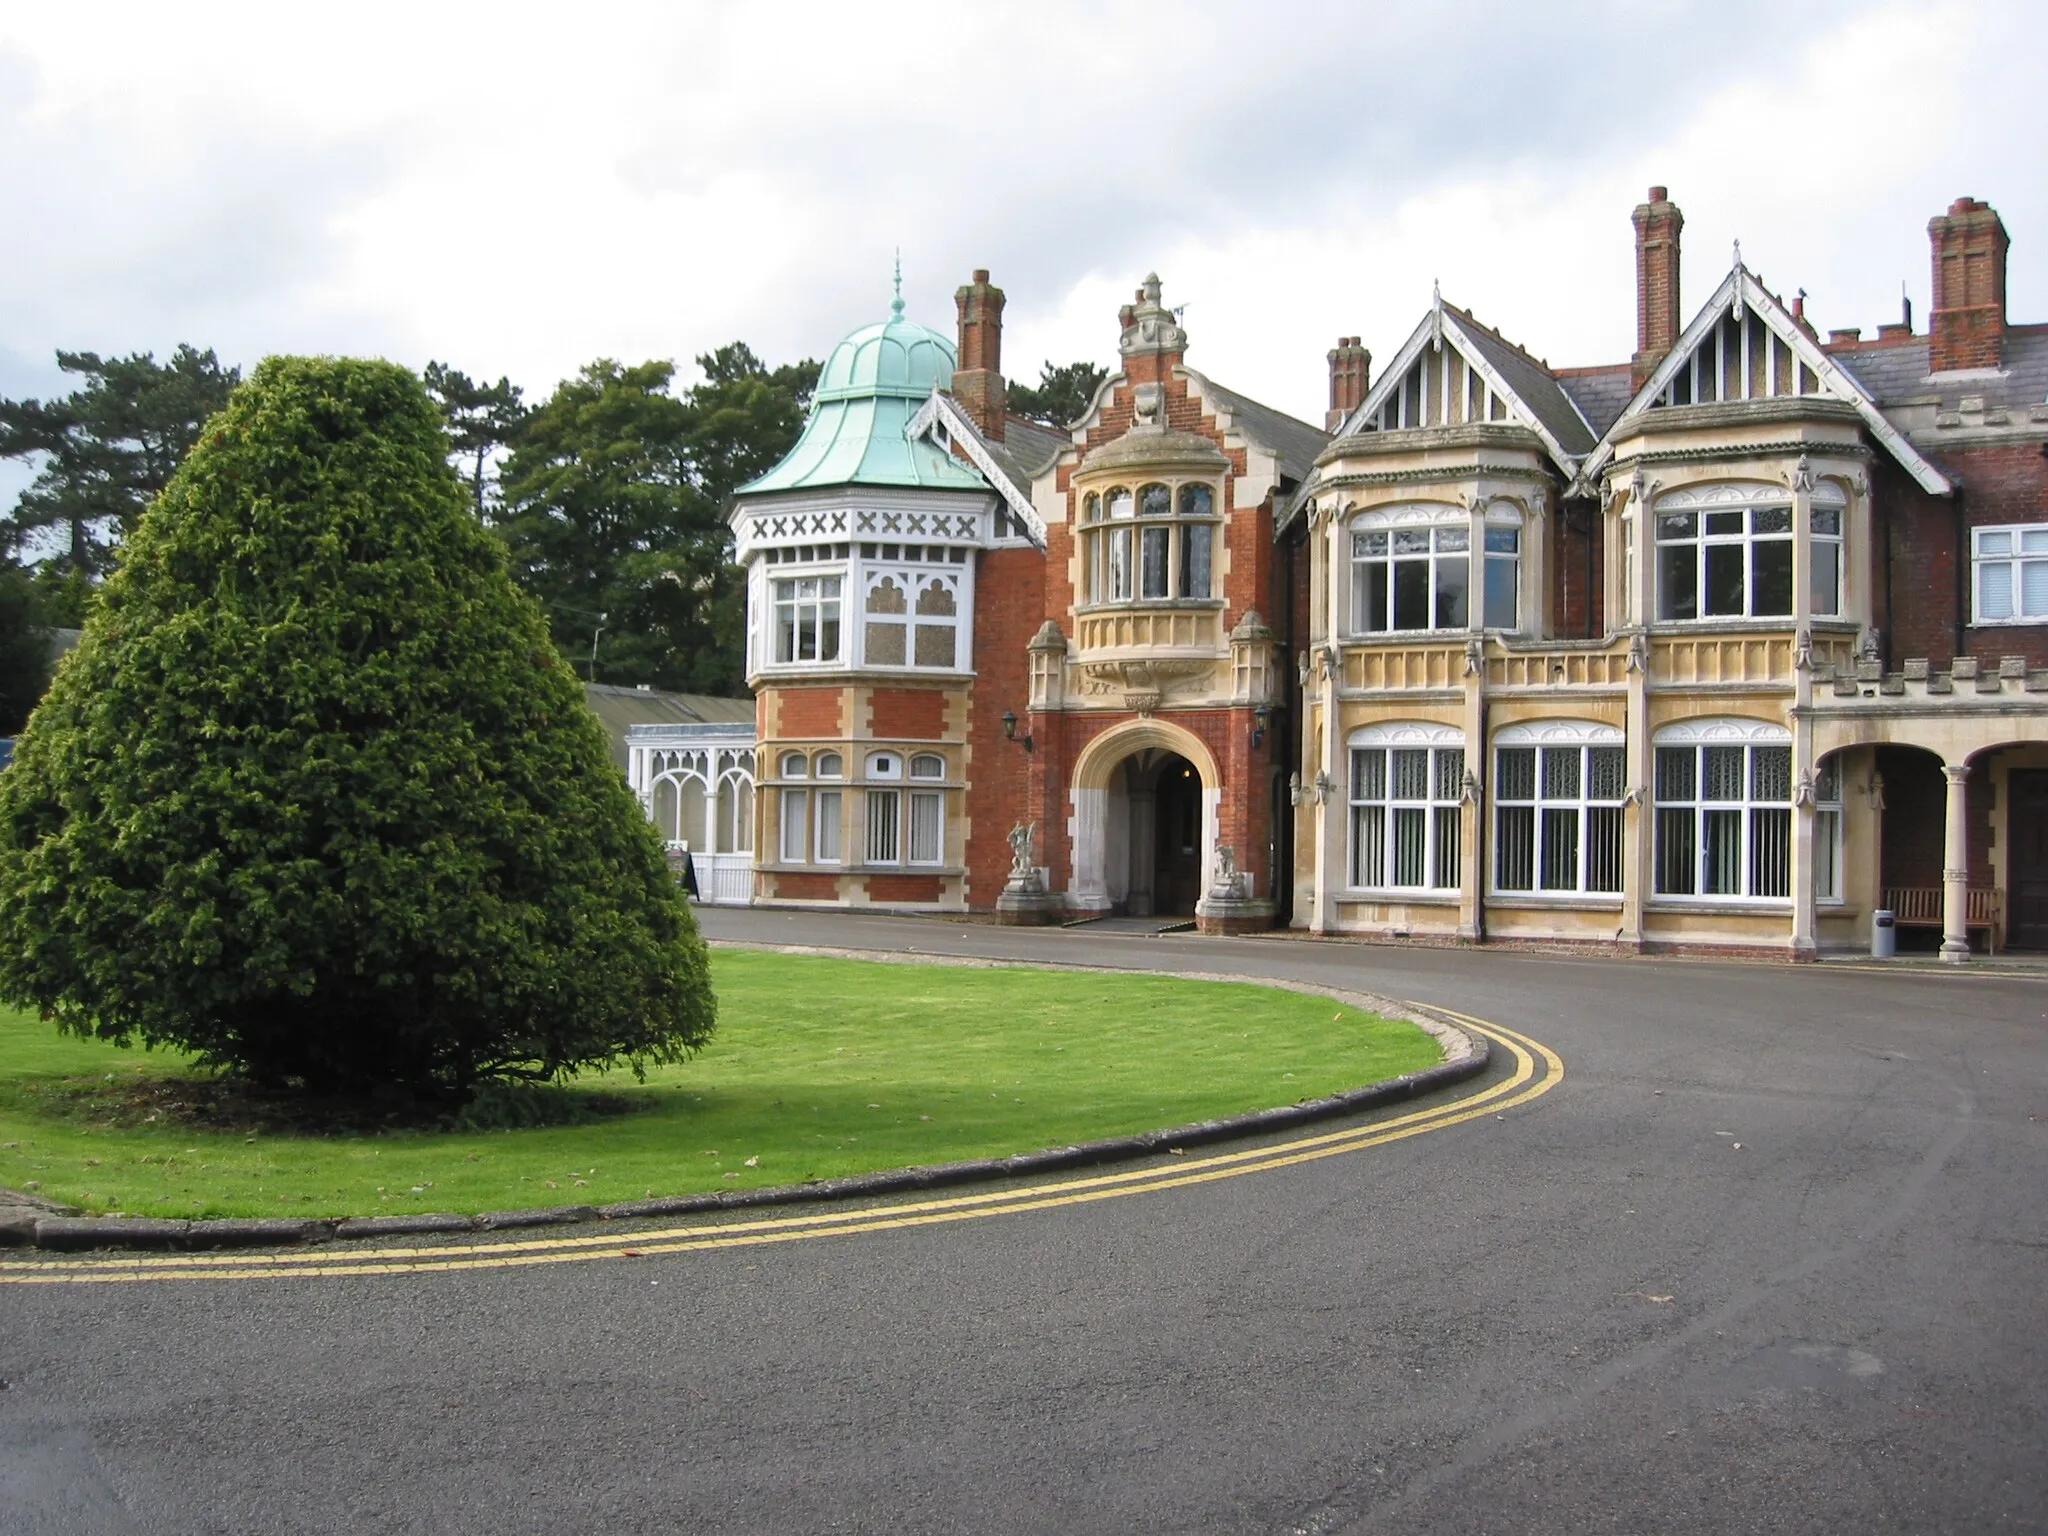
(1537, 1070)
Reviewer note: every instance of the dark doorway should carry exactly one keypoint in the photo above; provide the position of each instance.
(1177, 838)
(2026, 870)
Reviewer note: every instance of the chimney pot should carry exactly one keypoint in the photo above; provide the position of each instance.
(1845, 334)
(978, 379)
(1350, 380)
(1658, 225)
(1966, 326)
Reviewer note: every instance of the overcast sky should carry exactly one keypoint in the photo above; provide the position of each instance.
(518, 189)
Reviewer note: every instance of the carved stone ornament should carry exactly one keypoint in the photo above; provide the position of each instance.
(1870, 647)
(1802, 792)
(1802, 651)
(1251, 627)
(1231, 883)
(1148, 403)
(1802, 477)
(1142, 702)
(1156, 677)
(1294, 790)
(1150, 326)
(1323, 786)
(1301, 667)
(1022, 863)
(1634, 796)
(1469, 790)
(1875, 789)
(1475, 656)
(1639, 652)
(1049, 637)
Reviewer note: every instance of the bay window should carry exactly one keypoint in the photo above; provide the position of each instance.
(1406, 784)
(1415, 573)
(906, 827)
(1558, 792)
(1724, 810)
(1153, 544)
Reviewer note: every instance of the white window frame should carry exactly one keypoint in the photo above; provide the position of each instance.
(1439, 807)
(1829, 826)
(791, 603)
(1445, 527)
(795, 825)
(1113, 529)
(1746, 498)
(1542, 809)
(1830, 541)
(830, 827)
(1758, 821)
(829, 823)
(2026, 549)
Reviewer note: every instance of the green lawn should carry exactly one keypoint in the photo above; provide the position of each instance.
(820, 1068)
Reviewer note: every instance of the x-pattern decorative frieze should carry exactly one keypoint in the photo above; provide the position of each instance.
(799, 525)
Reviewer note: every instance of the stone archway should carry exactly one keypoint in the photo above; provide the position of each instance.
(1114, 824)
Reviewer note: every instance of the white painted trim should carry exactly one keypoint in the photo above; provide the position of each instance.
(1411, 514)
(1406, 733)
(1437, 326)
(939, 406)
(1720, 730)
(1738, 288)
(1558, 733)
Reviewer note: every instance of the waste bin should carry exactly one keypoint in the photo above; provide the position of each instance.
(1884, 934)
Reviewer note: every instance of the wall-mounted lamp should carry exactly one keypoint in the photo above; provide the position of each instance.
(1010, 730)
(1260, 715)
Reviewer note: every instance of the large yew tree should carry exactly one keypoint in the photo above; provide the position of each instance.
(317, 798)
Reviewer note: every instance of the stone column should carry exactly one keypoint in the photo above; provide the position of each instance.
(1955, 869)
(1803, 945)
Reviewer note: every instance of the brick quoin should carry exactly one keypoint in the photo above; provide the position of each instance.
(804, 713)
(907, 714)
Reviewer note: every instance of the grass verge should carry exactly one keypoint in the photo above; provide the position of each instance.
(820, 1068)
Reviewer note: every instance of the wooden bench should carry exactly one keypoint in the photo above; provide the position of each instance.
(1919, 906)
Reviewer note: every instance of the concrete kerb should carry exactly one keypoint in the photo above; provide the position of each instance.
(1466, 1055)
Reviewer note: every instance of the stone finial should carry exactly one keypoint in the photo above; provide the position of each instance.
(1149, 326)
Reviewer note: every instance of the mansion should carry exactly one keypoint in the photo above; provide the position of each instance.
(1721, 647)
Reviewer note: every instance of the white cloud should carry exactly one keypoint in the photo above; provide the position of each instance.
(515, 190)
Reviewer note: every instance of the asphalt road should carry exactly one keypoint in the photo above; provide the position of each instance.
(1596, 1313)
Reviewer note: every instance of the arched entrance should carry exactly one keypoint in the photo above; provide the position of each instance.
(1163, 819)
(1144, 796)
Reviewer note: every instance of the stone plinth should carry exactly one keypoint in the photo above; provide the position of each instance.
(1234, 914)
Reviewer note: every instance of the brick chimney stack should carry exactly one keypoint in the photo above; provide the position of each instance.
(1658, 223)
(1967, 329)
(1350, 379)
(978, 380)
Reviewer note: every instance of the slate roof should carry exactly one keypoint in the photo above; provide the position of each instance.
(1538, 387)
(1295, 443)
(1895, 372)
(1601, 394)
(1027, 449)
(617, 708)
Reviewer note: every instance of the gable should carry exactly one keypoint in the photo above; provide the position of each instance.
(1744, 346)
(941, 422)
(1452, 371)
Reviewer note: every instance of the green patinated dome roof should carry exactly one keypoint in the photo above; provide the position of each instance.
(869, 389)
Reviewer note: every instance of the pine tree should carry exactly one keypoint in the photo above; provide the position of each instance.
(317, 799)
